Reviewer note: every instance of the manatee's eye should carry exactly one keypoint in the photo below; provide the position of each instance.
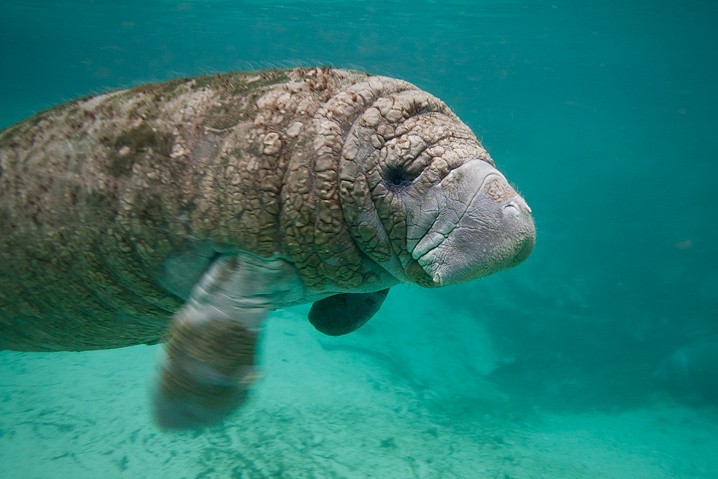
(398, 177)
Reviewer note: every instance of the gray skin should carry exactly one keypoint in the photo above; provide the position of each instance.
(186, 211)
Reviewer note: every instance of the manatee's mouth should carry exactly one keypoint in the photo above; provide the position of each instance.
(478, 234)
(435, 237)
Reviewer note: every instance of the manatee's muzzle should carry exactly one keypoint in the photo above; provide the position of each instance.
(495, 232)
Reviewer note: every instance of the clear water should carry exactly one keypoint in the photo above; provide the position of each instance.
(605, 116)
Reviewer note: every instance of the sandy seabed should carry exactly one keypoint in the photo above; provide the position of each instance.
(404, 397)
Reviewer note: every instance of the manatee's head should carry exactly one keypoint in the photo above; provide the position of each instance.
(424, 198)
(469, 224)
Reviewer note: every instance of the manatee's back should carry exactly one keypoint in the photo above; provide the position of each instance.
(72, 272)
(106, 201)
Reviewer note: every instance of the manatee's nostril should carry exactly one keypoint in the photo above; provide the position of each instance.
(512, 209)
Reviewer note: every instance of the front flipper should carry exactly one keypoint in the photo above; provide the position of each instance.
(345, 312)
(210, 358)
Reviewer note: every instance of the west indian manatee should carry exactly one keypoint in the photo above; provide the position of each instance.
(187, 210)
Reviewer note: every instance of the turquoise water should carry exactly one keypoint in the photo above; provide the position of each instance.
(604, 114)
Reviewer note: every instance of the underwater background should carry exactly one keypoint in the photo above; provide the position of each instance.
(597, 357)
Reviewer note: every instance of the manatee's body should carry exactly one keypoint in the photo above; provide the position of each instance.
(209, 202)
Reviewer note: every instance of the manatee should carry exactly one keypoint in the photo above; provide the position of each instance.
(185, 211)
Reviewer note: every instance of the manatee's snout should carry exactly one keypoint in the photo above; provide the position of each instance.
(494, 230)
(518, 219)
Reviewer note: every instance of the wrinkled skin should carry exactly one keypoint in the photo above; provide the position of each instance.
(202, 204)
